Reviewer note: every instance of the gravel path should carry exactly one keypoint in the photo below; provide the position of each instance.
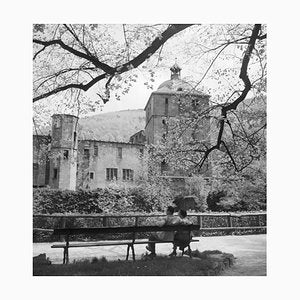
(249, 250)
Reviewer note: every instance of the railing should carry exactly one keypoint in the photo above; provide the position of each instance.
(231, 219)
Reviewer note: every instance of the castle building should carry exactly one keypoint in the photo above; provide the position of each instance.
(69, 163)
(72, 163)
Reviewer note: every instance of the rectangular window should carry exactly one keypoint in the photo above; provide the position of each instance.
(119, 152)
(195, 103)
(127, 175)
(163, 166)
(111, 174)
(66, 154)
(166, 106)
(75, 137)
(86, 153)
(179, 105)
(96, 150)
(55, 173)
(92, 175)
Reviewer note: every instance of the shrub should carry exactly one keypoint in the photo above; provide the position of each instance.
(213, 200)
(198, 187)
(112, 199)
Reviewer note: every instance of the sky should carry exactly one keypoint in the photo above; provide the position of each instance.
(138, 95)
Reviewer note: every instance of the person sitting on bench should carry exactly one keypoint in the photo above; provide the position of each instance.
(170, 219)
(181, 238)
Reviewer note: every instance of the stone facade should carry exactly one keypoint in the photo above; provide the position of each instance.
(173, 98)
(100, 163)
(63, 159)
(41, 164)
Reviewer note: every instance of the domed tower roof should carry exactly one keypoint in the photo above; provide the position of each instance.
(175, 84)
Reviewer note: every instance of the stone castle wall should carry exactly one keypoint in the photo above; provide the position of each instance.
(110, 155)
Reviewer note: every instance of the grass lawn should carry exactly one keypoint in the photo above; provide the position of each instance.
(160, 266)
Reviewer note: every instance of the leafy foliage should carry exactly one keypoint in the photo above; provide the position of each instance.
(239, 191)
(236, 58)
(113, 199)
(213, 199)
(198, 187)
(48, 201)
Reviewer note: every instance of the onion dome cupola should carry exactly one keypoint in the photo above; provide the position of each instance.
(175, 71)
(175, 83)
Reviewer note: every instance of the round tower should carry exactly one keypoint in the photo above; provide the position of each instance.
(63, 165)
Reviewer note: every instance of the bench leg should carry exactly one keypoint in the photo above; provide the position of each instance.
(66, 256)
(189, 251)
(127, 255)
(133, 254)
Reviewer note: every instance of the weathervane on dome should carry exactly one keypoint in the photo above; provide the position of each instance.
(175, 70)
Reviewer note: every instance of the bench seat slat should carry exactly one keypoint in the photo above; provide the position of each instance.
(110, 243)
(91, 244)
(158, 242)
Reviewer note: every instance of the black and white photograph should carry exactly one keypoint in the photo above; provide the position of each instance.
(149, 149)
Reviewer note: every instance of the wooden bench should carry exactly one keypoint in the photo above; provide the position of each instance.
(132, 230)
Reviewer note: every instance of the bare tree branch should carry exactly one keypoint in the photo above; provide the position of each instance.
(127, 47)
(233, 105)
(109, 71)
(41, 50)
(72, 31)
(80, 86)
(93, 59)
(230, 155)
(262, 37)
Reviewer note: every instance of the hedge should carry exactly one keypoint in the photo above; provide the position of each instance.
(106, 200)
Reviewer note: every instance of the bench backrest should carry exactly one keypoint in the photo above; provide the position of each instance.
(129, 229)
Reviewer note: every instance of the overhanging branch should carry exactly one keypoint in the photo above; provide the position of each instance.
(233, 105)
(108, 70)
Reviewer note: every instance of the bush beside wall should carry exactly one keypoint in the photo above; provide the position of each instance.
(107, 200)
